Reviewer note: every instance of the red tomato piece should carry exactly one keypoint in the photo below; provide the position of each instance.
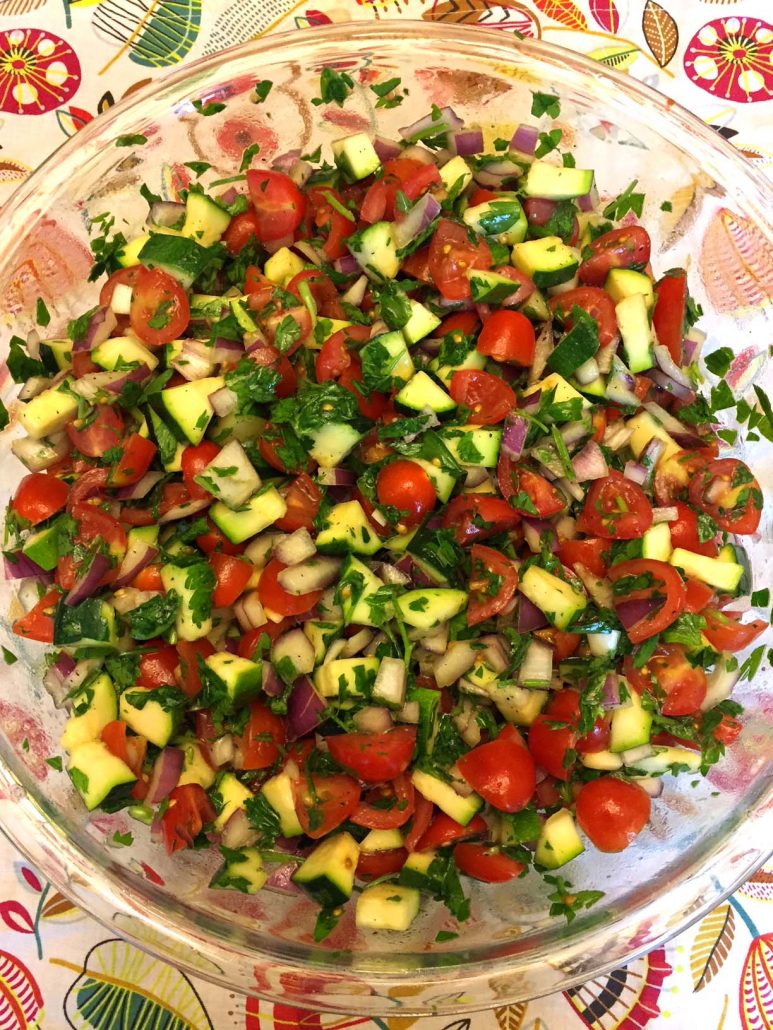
(725, 632)
(672, 477)
(727, 491)
(404, 485)
(193, 462)
(478, 516)
(214, 540)
(279, 600)
(464, 323)
(669, 311)
(263, 738)
(303, 499)
(323, 218)
(190, 651)
(591, 553)
(101, 433)
(489, 398)
(39, 496)
(38, 623)
(655, 588)
(187, 814)
(376, 757)
(371, 405)
(595, 302)
(502, 772)
(451, 255)
(160, 311)
(508, 336)
(728, 730)
(232, 575)
(270, 357)
(485, 863)
(137, 455)
(420, 820)
(148, 578)
(334, 355)
(493, 582)
(279, 204)
(553, 735)
(130, 750)
(528, 492)
(388, 806)
(158, 667)
(684, 531)
(322, 803)
(95, 524)
(445, 830)
(612, 812)
(627, 247)
(616, 509)
(696, 596)
(248, 644)
(242, 229)
(379, 863)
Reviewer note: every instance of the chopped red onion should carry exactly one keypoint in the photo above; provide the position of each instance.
(630, 613)
(588, 372)
(573, 432)
(589, 201)
(38, 455)
(336, 477)
(667, 514)
(281, 879)
(448, 122)
(166, 213)
(136, 375)
(346, 265)
(135, 560)
(467, 142)
(300, 172)
(386, 149)
(621, 385)
(183, 511)
(535, 530)
(635, 472)
(304, 708)
(34, 386)
(33, 344)
(64, 665)
(310, 252)
(284, 162)
(356, 292)
(610, 696)
(89, 581)
(271, 683)
(99, 327)
(224, 401)
(272, 246)
(670, 386)
(373, 719)
(670, 367)
(21, 567)
(424, 156)
(514, 435)
(195, 360)
(136, 491)
(590, 463)
(525, 139)
(238, 831)
(529, 616)
(167, 769)
(226, 350)
(543, 348)
(423, 212)
(652, 785)
(228, 196)
(672, 425)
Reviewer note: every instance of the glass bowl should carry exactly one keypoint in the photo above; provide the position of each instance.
(699, 847)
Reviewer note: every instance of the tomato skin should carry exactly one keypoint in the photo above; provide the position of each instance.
(374, 758)
(508, 336)
(103, 432)
(612, 812)
(672, 477)
(728, 730)
(249, 642)
(331, 800)
(485, 864)
(157, 295)
(232, 575)
(279, 204)
(513, 479)
(684, 532)
(123, 277)
(403, 800)
(590, 553)
(406, 486)
(502, 772)
(371, 406)
(130, 750)
(95, 524)
(379, 863)
(214, 540)
(242, 229)
(668, 313)
(725, 632)
(303, 499)
(445, 830)
(38, 623)
(696, 596)
(193, 462)
(321, 217)
(665, 586)
(258, 752)
(157, 668)
(138, 454)
(465, 323)
(602, 515)
(737, 507)
(278, 600)
(420, 820)
(188, 812)
(549, 744)
(486, 565)
(489, 398)
(465, 513)
(190, 651)
(451, 254)
(593, 300)
(39, 496)
(618, 248)
(148, 578)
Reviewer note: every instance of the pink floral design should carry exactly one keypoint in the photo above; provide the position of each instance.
(20, 999)
(731, 58)
(38, 71)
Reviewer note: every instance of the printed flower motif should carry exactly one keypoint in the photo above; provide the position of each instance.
(21, 1003)
(627, 998)
(731, 58)
(38, 71)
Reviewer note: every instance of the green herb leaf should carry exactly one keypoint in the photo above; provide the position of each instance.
(262, 90)
(545, 103)
(131, 140)
(154, 617)
(209, 108)
(42, 315)
(548, 141)
(627, 201)
(719, 361)
(334, 87)
(247, 155)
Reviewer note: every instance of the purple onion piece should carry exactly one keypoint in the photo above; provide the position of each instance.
(669, 385)
(229, 196)
(667, 364)
(304, 708)
(529, 616)
(226, 350)
(136, 375)
(89, 581)
(636, 472)
(448, 122)
(387, 149)
(272, 246)
(514, 436)
(525, 139)
(467, 142)
(136, 491)
(284, 162)
(590, 463)
(346, 265)
(166, 774)
(632, 612)
(416, 220)
(100, 325)
(64, 665)
(610, 696)
(183, 511)
(21, 567)
(135, 560)
(532, 401)
(336, 477)
(281, 880)
(272, 685)
(224, 401)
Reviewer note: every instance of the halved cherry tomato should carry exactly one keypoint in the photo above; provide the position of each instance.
(39, 496)
(445, 830)
(488, 397)
(160, 311)
(137, 454)
(655, 591)
(158, 667)
(214, 540)
(595, 302)
(279, 600)
(493, 582)
(485, 863)
(725, 632)
(303, 499)
(727, 491)
(683, 684)
(616, 509)
(334, 355)
(672, 477)
(451, 255)
(388, 806)
(553, 734)
(404, 485)
(323, 218)
(323, 802)
(684, 531)
(193, 462)
(627, 247)
(321, 288)
(379, 863)
(130, 750)
(190, 651)
(188, 812)
(612, 812)
(269, 357)
(420, 820)
(465, 323)
(242, 229)
(501, 772)
(263, 738)
(121, 277)
(270, 631)
(526, 491)
(101, 433)
(478, 516)
(371, 405)
(591, 553)
(696, 596)
(374, 757)
(232, 575)
(279, 204)
(38, 623)
(668, 313)
(507, 336)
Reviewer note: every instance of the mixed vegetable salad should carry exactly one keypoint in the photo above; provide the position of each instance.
(375, 523)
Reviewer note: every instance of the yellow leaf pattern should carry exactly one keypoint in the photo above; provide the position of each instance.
(712, 944)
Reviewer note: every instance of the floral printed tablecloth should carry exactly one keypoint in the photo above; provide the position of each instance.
(62, 62)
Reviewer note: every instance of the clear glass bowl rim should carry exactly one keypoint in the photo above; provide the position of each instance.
(103, 893)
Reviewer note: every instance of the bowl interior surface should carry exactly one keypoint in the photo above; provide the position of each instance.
(698, 846)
